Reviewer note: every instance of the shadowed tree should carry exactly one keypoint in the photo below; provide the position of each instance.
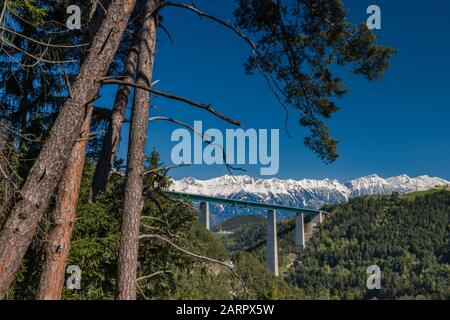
(112, 136)
(58, 247)
(134, 181)
(64, 217)
(20, 227)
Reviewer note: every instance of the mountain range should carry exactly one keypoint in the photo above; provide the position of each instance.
(307, 193)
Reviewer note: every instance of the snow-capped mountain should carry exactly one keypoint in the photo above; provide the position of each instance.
(306, 193)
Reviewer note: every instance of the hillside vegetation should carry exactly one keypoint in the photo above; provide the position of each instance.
(239, 221)
(406, 236)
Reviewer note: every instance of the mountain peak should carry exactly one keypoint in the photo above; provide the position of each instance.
(368, 177)
(308, 193)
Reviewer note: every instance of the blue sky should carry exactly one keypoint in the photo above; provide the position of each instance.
(399, 124)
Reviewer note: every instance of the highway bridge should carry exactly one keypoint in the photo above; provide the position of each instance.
(272, 244)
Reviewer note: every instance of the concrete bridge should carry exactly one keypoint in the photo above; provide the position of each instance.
(272, 244)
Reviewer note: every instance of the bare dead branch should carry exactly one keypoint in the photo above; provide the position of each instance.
(43, 43)
(37, 58)
(2, 15)
(211, 17)
(156, 219)
(164, 169)
(67, 82)
(93, 137)
(204, 258)
(5, 175)
(153, 275)
(167, 33)
(204, 138)
(179, 201)
(174, 97)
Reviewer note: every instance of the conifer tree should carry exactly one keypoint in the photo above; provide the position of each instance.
(134, 181)
(297, 42)
(20, 227)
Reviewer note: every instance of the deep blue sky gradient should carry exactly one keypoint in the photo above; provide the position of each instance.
(399, 124)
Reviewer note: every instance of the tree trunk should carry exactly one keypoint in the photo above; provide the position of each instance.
(58, 247)
(46, 172)
(112, 136)
(133, 199)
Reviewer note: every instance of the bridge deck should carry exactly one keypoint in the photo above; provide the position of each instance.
(242, 204)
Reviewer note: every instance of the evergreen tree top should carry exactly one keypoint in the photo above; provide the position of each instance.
(298, 44)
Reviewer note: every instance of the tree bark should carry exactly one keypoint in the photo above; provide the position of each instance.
(58, 247)
(46, 172)
(112, 136)
(133, 198)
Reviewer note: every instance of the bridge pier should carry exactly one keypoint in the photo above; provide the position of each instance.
(299, 231)
(204, 216)
(323, 216)
(272, 246)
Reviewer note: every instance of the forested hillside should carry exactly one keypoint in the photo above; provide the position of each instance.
(239, 221)
(406, 236)
(408, 239)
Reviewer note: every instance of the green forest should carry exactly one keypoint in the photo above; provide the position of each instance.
(407, 236)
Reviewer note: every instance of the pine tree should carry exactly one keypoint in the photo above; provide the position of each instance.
(134, 185)
(297, 42)
(45, 174)
(112, 136)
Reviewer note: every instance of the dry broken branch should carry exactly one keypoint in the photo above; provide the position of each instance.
(204, 138)
(198, 256)
(153, 275)
(174, 97)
